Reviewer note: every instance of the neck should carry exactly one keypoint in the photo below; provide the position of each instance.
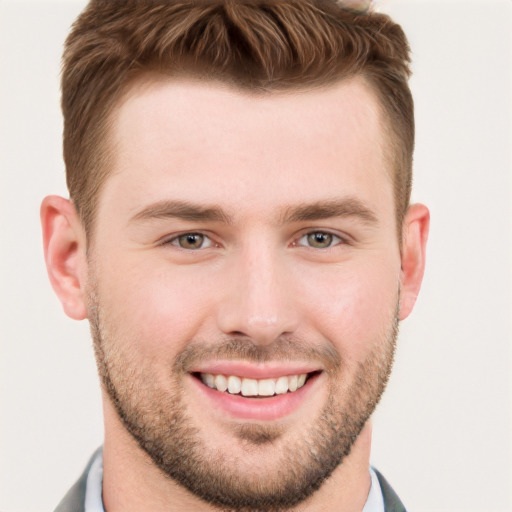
(131, 481)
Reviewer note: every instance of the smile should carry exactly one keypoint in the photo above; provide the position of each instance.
(244, 391)
(248, 387)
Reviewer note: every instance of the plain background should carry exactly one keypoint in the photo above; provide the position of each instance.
(443, 432)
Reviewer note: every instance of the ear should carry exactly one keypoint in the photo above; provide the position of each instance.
(414, 244)
(65, 254)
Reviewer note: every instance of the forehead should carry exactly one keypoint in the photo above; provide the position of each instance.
(189, 108)
(188, 138)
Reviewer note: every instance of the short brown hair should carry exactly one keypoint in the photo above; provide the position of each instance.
(255, 45)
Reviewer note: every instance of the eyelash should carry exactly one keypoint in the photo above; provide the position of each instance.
(335, 240)
(175, 240)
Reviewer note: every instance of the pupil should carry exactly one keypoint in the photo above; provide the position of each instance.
(191, 241)
(320, 239)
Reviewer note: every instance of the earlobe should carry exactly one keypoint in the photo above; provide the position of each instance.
(414, 244)
(65, 254)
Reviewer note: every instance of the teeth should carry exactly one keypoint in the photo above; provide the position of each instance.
(266, 387)
(281, 385)
(249, 387)
(234, 385)
(253, 387)
(221, 383)
(208, 379)
(292, 383)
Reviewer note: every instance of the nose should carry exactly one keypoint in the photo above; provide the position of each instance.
(259, 299)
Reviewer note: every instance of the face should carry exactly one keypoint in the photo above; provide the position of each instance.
(243, 283)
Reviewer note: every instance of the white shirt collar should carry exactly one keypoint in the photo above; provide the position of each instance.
(94, 500)
(94, 485)
(375, 500)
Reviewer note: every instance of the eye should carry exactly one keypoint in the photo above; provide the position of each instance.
(319, 240)
(191, 241)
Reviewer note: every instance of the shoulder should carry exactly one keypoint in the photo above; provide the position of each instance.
(392, 502)
(74, 500)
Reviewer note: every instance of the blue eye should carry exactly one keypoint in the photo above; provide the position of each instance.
(319, 240)
(191, 241)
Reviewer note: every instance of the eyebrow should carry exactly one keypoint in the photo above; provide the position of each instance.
(182, 210)
(343, 207)
(325, 209)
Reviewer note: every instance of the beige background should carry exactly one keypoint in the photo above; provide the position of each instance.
(443, 433)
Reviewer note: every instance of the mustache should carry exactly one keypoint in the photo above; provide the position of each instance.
(240, 348)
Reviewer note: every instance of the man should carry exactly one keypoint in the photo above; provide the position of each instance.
(240, 238)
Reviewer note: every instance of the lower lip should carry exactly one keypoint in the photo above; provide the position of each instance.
(263, 409)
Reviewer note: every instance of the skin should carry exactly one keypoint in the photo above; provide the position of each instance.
(258, 161)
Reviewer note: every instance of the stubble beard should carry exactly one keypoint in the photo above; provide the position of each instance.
(158, 420)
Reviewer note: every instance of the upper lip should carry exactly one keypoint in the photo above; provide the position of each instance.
(254, 371)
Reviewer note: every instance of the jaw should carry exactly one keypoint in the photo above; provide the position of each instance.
(202, 443)
(128, 468)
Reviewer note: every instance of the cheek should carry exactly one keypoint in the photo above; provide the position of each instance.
(354, 308)
(156, 312)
